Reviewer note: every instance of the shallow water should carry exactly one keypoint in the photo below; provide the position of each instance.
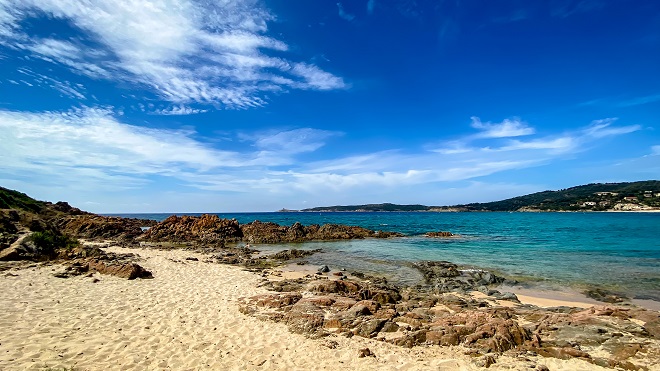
(618, 251)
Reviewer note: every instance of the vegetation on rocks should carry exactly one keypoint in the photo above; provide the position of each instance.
(576, 198)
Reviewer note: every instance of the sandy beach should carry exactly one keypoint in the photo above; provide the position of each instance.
(186, 318)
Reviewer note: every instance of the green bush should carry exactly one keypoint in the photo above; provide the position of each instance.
(47, 242)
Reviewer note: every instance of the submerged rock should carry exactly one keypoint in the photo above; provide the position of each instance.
(439, 234)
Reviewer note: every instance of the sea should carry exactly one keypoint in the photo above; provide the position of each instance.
(618, 252)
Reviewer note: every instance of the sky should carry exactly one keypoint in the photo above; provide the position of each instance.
(120, 106)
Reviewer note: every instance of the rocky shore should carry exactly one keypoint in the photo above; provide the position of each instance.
(443, 311)
(451, 307)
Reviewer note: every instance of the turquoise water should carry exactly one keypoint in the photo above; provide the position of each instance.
(618, 251)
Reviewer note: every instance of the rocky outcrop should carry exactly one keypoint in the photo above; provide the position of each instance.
(83, 259)
(267, 232)
(205, 229)
(210, 229)
(439, 234)
(20, 249)
(99, 227)
(442, 276)
(609, 336)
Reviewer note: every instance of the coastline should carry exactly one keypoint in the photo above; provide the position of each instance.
(103, 322)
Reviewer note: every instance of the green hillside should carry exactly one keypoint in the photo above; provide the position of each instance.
(10, 199)
(572, 198)
(582, 197)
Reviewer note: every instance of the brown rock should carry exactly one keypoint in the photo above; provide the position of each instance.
(390, 327)
(563, 352)
(366, 352)
(370, 328)
(335, 286)
(370, 304)
(207, 229)
(123, 270)
(343, 303)
(439, 234)
(385, 314)
(277, 301)
(102, 227)
(304, 318)
(321, 301)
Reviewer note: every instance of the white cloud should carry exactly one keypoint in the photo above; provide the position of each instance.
(294, 141)
(184, 51)
(315, 78)
(602, 128)
(177, 111)
(655, 150)
(343, 14)
(454, 147)
(501, 133)
(371, 5)
(89, 145)
(76, 91)
(507, 128)
(90, 149)
(640, 101)
(559, 145)
(92, 138)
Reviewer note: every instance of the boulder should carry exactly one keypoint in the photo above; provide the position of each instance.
(370, 328)
(127, 270)
(304, 317)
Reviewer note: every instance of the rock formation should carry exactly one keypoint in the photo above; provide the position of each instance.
(205, 229)
(103, 227)
(210, 229)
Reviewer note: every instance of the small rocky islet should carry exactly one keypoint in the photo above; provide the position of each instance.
(440, 311)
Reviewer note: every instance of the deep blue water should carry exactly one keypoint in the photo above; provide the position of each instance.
(619, 251)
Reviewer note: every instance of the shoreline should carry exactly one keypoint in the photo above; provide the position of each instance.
(534, 290)
(382, 211)
(527, 292)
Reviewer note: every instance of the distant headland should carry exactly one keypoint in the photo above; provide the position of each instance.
(629, 196)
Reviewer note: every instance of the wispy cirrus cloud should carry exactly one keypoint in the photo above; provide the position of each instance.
(91, 147)
(603, 128)
(507, 128)
(179, 110)
(567, 8)
(501, 135)
(66, 88)
(371, 6)
(92, 141)
(640, 101)
(343, 14)
(294, 141)
(655, 150)
(184, 51)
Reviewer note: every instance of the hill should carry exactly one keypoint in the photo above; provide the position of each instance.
(372, 207)
(10, 199)
(595, 197)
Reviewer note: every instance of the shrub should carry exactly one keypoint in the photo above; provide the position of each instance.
(47, 242)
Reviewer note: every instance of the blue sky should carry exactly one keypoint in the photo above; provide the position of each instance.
(229, 105)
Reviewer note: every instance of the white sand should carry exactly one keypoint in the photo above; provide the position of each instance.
(186, 318)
